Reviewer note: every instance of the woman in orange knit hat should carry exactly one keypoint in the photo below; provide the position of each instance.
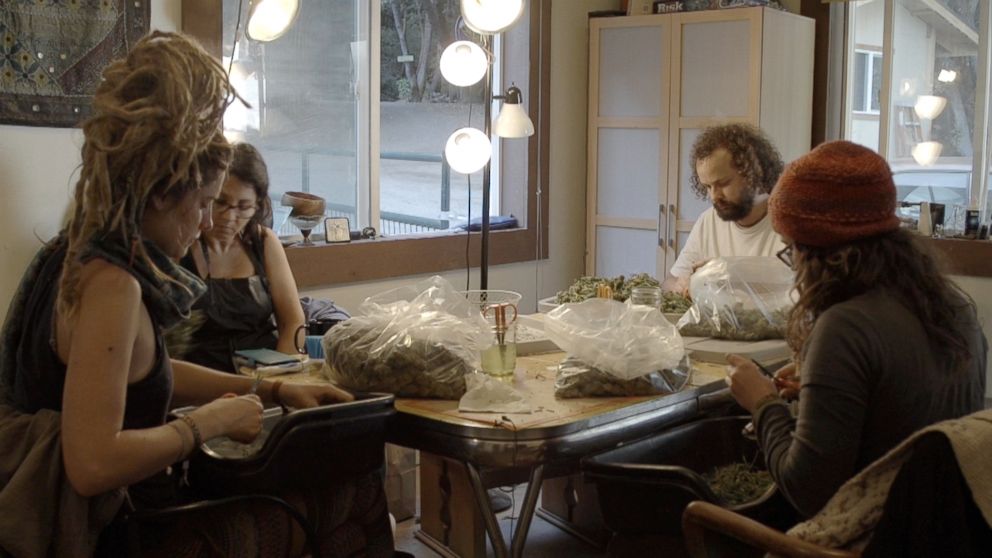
(884, 343)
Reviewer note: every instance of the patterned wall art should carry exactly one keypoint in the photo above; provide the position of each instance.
(53, 51)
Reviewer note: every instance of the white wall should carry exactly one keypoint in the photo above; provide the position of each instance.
(36, 164)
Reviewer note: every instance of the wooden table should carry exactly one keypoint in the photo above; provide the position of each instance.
(463, 454)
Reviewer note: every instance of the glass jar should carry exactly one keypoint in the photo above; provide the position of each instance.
(648, 296)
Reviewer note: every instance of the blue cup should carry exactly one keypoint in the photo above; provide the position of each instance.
(314, 346)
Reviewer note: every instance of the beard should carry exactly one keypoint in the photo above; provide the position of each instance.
(729, 211)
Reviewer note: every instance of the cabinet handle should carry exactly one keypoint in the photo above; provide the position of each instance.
(672, 219)
(662, 226)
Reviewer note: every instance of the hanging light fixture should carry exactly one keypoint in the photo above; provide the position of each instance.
(926, 153)
(512, 121)
(463, 63)
(929, 106)
(270, 19)
(491, 16)
(467, 150)
(947, 76)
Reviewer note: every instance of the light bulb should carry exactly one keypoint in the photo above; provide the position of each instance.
(270, 19)
(926, 153)
(467, 150)
(947, 76)
(491, 16)
(929, 106)
(463, 63)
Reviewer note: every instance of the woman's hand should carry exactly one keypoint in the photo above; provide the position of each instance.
(747, 384)
(787, 381)
(302, 396)
(238, 418)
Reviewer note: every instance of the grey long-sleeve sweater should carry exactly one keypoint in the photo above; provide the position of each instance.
(869, 379)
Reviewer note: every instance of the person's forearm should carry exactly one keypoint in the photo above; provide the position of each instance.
(287, 339)
(195, 385)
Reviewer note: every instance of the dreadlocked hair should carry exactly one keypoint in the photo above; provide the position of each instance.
(891, 261)
(753, 154)
(156, 130)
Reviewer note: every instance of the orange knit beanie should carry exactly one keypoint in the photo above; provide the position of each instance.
(839, 192)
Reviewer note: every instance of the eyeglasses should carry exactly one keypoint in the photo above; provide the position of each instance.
(785, 255)
(242, 210)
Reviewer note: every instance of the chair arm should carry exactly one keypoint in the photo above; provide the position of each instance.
(701, 520)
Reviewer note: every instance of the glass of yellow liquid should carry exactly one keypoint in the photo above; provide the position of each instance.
(500, 358)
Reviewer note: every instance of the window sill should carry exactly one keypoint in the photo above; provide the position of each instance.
(366, 260)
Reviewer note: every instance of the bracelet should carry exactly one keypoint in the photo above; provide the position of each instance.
(182, 440)
(274, 393)
(197, 439)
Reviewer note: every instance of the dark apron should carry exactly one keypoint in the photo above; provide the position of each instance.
(239, 315)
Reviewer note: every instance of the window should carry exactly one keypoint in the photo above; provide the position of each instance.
(928, 112)
(867, 81)
(349, 105)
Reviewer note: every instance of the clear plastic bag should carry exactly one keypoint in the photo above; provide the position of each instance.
(622, 339)
(742, 299)
(577, 379)
(415, 341)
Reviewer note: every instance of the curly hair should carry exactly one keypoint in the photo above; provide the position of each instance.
(753, 154)
(892, 261)
(249, 167)
(156, 130)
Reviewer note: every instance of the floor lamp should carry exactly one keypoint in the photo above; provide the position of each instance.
(464, 63)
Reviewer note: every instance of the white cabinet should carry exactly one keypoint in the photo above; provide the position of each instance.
(655, 82)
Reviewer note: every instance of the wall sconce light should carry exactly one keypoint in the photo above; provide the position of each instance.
(929, 106)
(464, 63)
(489, 17)
(926, 153)
(270, 19)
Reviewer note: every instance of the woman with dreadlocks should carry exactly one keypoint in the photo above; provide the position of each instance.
(884, 343)
(82, 345)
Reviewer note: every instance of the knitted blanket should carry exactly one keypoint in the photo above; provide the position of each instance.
(850, 516)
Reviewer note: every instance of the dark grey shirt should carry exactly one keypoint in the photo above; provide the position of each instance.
(869, 379)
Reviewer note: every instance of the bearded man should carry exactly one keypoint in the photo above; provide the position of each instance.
(736, 167)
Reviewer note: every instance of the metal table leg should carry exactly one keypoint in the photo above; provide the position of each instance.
(526, 511)
(486, 509)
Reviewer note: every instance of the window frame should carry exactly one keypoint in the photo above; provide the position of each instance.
(383, 258)
(872, 57)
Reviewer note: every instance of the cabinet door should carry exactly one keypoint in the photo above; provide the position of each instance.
(628, 145)
(716, 79)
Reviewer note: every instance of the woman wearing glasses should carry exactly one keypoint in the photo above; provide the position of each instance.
(884, 344)
(251, 300)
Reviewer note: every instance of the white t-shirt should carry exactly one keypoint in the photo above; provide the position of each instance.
(712, 237)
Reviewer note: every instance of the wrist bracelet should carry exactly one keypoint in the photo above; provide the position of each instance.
(182, 440)
(274, 393)
(197, 439)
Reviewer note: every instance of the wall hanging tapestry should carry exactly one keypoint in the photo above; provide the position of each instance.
(52, 53)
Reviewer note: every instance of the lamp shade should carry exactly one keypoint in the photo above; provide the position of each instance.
(270, 19)
(926, 153)
(513, 121)
(467, 150)
(929, 106)
(463, 63)
(491, 16)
